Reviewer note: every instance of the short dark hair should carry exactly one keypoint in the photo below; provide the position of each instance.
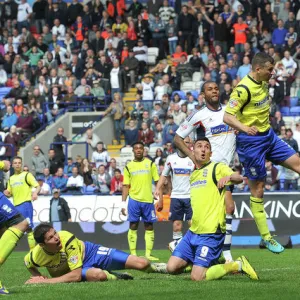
(118, 170)
(204, 84)
(40, 232)
(203, 138)
(261, 58)
(137, 143)
(17, 157)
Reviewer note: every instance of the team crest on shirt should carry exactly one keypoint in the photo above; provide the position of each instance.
(146, 165)
(190, 163)
(74, 259)
(233, 103)
(205, 173)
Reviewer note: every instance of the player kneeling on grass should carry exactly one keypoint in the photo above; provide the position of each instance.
(69, 259)
(203, 243)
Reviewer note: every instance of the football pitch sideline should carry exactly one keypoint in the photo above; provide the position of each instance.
(279, 279)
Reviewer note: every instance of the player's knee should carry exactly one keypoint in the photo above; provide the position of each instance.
(98, 276)
(134, 226)
(197, 277)
(230, 208)
(142, 264)
(23, 226)
(173, 269)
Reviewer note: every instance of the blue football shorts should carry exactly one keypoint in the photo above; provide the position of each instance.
(26, 209)
(254, 150)
(201, 250)
(98, 256)
(179, 208)
(141, 211)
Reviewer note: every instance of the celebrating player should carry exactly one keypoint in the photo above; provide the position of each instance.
(179, 166)
(248, 112)
(138, 177)
(69, 259)
(203, 243)
(12, 227)
(209, 122)
(20, 188)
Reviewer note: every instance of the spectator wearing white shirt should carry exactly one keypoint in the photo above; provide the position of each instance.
(24, 13)
(178, 115)
(100, 156)
(45, 188)
(147, 93)
(16, 39)
(59, 30)
(75, 182)
(141, 54)
(118, 80)
(289, 64)
(3, 76)
(10, 43)
(160, 90)
(59, 54)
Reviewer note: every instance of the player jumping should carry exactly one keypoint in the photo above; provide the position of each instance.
(208, 122)
(248, 111)
(179, 166)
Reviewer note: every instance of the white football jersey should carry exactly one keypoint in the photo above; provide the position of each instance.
(180, 169)
(210, 123)
(101, 158)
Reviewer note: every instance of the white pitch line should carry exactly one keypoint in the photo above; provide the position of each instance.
(278, 269)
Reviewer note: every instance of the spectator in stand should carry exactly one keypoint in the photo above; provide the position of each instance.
(277, 122)
(141, 54)
(240, 31)
(100, 156)
(54, 162)
(168, 149)
(296, 133)
(158, 136)
(17, 92)
(169, 130)
(135, 8)
(59, 209)
(39, 162)
(3, 76)
(278, 36)
(74, 10)
(118, 79)
(47, 176)
(24, 14)
(25, 122)
(157, 29)
(289, 64)
(178, 115)
(158, 159)
(75, 182)
(290, 141)
(102, 181)
(116, 184)
(68, 168)
(244, 69)
(59, 138)
(146, 153)
(272, 182)
(59, 181)
(131, 133)
(91, 138)
(59, 30)
(9, 119)
(131, 65)
(86, 172)
(13, 138)
(118, 111)
(112, 167)
(146, 135)
(45, 188)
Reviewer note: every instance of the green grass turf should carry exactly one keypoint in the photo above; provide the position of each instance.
(279, 279)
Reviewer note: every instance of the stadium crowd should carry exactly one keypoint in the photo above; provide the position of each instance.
(57, 57)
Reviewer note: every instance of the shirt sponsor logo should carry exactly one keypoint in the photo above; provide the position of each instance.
(140, 172)
(220, 129)
(182, 172)
(198, 183)
(233, 103)
(260, 103)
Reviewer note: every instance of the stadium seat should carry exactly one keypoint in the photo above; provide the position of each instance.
(180, 93)
(197, 76)
(294, 101)
(152, 55)
(285, 111)
(198, 85)
(188, 86)
(195, 94)
(295, 111)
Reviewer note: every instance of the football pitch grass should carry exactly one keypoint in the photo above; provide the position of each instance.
(279, 279)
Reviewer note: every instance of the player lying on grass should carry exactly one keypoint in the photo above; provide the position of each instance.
(203, 243)
(69, 259)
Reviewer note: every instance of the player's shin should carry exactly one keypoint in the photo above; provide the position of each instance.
(8, 242)
(149, 242)
(257, 208)
(132, 239)
(31, 240)
(219, 271)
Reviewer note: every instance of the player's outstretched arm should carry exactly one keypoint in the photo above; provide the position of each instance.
(234, 178)
(179, 143)
(73, 276)
(233, 122)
